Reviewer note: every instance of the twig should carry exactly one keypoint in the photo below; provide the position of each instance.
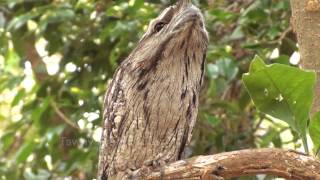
(62, 116)
(281, 37)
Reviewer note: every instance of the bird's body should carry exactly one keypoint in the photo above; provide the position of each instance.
(151, 104)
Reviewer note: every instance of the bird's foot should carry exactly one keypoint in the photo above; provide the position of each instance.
(147, 168)
(140, 173)
(157, 162)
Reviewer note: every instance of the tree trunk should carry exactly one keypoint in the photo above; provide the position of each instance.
(306, 24)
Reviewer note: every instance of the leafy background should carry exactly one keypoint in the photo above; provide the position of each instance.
(56, 57)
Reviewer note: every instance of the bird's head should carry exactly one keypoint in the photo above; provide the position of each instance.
(178, 28)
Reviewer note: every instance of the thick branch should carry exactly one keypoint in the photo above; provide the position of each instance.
(282, 163)
(305, 21)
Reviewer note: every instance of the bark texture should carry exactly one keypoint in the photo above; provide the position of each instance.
(152, 102)
(306, 25)
(287, 164)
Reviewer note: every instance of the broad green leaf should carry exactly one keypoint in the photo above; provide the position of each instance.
(281, 91)
(314, 130)
(256, 65)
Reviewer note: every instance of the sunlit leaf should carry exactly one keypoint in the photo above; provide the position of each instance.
(281, 91)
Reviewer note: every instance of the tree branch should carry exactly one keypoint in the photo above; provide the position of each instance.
(283, 163)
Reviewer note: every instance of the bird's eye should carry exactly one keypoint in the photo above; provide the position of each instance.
(159, 26)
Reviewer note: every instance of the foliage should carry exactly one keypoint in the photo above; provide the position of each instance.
(57, 56)
(272, 94)
(315, 132)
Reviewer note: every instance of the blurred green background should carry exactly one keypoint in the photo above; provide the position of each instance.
(56, 57)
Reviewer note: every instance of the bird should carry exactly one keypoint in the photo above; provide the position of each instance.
(151, 105)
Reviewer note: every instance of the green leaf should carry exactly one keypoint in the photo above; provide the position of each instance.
(256, 65)
(314, 130)
(225, 68)
(42, 174)
(222, 15)
(236, 34)
(271, 136)
(21, 20)
(214, 121)
(213, 71)
(6, 140)
(283, 59)
(24, 151)
(12, 61)
(137, 4)
(281, 91)
(21, 93)
(55, 15)
(36, 114)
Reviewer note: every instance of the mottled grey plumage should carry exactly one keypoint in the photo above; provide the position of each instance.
(152, 102)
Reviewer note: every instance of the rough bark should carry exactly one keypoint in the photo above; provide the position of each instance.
(277, 162)
(306, 25)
